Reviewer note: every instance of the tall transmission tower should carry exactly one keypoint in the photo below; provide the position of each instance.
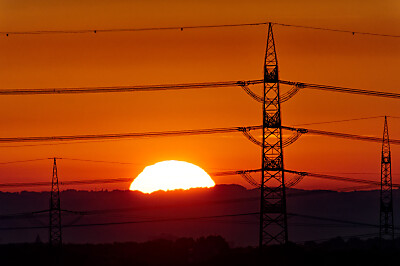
(55, 236)
(386, 225)
(273, 216)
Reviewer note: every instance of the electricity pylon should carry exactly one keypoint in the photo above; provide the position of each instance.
(55, 236)
(273, 216)
(386, 225)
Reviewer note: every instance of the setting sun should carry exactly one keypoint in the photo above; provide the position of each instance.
(170, 175)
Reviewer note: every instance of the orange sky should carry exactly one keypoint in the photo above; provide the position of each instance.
(194, 56)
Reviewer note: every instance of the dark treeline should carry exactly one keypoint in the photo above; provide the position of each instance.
(211, 250)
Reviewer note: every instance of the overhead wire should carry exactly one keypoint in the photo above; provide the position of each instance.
(56, 143)
(342, 89)
(113, 136)
(340, 178)
(358, 188)
(197, 218)
(163, 206)
(181, 28)
(353, 32)
(129, 135)
(150, 207)
(190, 204)
(186, 86)
(153, 207)
(339, 121)
(93, 161)
(322, 225)
(24, 161)
(223, 173)
(341, 135)
(342, 237)
(351, 136)
(22, 215)
(109, 180)
(354, 173)
(332, 220)
(133, 88)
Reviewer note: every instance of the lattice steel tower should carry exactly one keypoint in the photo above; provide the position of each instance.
(55, 236)
(273, 216)
(386, 226)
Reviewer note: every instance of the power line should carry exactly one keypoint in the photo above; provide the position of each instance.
(153, 207)
(138, 88)
(54, 143)
(197, 218)
(181, 28)
(340, 178)
(351, 136)
(130, 135)
(197, 203)
(342, 89)
(84, 160)
(224, 173)
(146, 207)
(110, 180)
(22, 215)
(339, 121)
(130, 209)
(343, 237)
(333, 220)
(354, 173)
(68, 182)
(94, 161)
(357, 188)
(24, 161)
(323, 225)
(189, 86)
(189, 132)
(339, 30)
(341, 135)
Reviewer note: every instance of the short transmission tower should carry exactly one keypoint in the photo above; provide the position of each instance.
(55, 236)
(273, 216)
(386, 226)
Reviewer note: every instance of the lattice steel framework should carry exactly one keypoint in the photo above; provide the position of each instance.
(386, 226)
(55, 236)
(273, 216)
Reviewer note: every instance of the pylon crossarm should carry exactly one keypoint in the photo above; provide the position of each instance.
(283, 98)
(290, 140)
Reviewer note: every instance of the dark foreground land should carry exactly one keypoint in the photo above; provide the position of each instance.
(212, 250)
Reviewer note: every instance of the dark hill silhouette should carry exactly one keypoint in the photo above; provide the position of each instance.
(127, 206)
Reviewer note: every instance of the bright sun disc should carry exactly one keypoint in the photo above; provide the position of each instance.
(170, 175)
